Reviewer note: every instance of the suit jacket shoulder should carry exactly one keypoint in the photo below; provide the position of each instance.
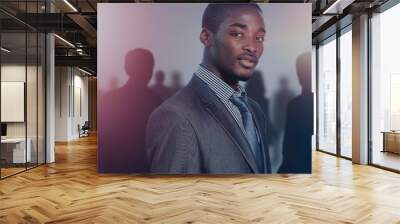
(170, 137)
(193, 132)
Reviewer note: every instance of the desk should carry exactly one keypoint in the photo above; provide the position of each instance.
(391, 141)
(13, 150)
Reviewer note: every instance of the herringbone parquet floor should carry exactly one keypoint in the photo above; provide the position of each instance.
(71, 191)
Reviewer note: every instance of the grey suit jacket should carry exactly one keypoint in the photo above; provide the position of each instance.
(193, 132)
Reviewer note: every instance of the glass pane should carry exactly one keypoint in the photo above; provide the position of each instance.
(346, 94)
(32, 95)
(314, 90)
(327, 97)
(13, 86)
(41, 98)
(385, 86)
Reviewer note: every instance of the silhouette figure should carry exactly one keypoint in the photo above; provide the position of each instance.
(123, 117)
(162, 91)
(282, 98)
(299, 123)
(255, 89)
(176, 82)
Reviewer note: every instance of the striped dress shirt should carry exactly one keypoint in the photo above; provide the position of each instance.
(224, 92)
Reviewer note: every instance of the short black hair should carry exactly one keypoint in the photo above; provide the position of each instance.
(215, 13)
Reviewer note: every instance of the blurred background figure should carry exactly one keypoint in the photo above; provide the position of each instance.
(282, 98)
(125, 112)
(159, 88)
(299, 123)
(176, 82)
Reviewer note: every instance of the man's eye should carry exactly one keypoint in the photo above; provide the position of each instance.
(260, 39)
(237, 35)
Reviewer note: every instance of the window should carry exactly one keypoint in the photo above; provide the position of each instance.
(385, 89)
(327, 96)
(22, 88)
(346, 93)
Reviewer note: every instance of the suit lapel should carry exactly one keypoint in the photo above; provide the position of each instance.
(218, 110)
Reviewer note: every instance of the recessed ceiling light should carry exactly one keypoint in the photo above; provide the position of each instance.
(326, 11)
(84, 71)
(65, 41)
(70, 5)
(337, 7)
(5, 50)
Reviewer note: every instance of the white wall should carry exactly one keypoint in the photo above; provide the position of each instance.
(79, 117)
(70, 83)
(62, 82)
(33, 126)
(13, 73)
(17, 73)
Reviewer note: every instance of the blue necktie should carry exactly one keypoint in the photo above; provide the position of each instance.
(250, 128)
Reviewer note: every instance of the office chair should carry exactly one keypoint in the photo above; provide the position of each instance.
(84, 130)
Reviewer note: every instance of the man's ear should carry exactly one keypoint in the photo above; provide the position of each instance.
(206, 37)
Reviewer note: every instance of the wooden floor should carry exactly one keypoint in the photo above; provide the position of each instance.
(5, 172)
(71, 191)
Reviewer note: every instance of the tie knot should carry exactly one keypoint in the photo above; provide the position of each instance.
(240, 102)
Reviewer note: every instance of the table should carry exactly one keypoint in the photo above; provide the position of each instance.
(391, 141)
(13, 150)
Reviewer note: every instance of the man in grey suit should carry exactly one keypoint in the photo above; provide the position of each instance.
(211, 126)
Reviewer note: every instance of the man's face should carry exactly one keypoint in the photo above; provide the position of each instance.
(238, 43)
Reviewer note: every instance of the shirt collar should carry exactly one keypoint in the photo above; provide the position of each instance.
(217, 85)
